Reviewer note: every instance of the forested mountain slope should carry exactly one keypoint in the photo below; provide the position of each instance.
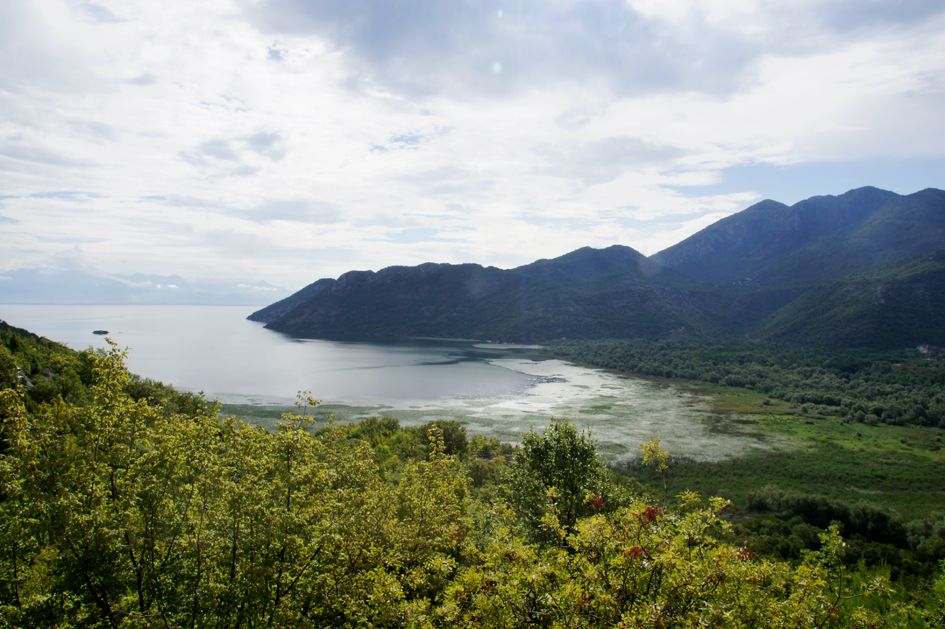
(720, 283)
(588, 292)
(899, 305)
(813, 241)
(904, 227)
(740, 245)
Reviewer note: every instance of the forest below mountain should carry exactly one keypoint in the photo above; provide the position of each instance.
(896, 387)
(127, 504)
(859, 270)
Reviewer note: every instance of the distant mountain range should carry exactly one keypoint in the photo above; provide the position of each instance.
(55, 286)
(860, 269)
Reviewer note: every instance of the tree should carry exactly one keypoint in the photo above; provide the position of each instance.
(556, 474)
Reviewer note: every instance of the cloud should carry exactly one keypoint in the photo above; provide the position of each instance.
(66, 195)
(267, 144)
(219, 149)
(420, 234)
(450, 180)
(604, 160)
(295, 210)
(143, 79)
(92, 12)
(411, 140)
(33, 55)
(242, 246)
(844, 16)
(382, 127)
(577, 117)
(214, 152)
(69, 240)
(34, 158)
(429, 47)
(73, 259)
(94, 129)
(188, 202)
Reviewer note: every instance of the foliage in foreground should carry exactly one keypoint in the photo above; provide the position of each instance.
(117, 514)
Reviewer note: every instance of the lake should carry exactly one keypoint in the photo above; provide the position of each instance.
(495, 390)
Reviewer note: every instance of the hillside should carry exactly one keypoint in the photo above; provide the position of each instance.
(813, 241)
(737, 277)
(904, 227)
(899, 305)
(281, 307)
(118, 514)
(586, 293)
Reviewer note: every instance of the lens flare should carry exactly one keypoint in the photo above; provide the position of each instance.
(497, 67)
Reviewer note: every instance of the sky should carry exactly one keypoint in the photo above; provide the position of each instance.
(290, 140)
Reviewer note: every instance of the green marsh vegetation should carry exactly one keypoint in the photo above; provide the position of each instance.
(856, 439)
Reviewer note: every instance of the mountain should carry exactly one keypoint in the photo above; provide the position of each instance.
(899, 305)
(586, 293)
(55, 286)
(903, 227)
(816, 240)
(281, 307)
(794, 274)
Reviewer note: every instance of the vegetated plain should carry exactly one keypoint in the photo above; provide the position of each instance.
(898, 467)
(851, 426)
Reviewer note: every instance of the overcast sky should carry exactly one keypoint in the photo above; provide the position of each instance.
(288, 140)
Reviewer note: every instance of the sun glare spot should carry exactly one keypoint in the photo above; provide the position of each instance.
(499, 13)
(497, 67)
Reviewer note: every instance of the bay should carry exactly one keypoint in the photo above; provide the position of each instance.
(495, 390)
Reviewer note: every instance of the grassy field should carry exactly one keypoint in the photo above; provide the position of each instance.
(900, 467)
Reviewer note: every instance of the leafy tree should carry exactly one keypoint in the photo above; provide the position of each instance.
(556, 471)
(452, 432)
(654, 456)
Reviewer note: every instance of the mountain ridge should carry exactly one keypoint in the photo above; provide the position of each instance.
(742, 271)
(544, 299)
(741, 245)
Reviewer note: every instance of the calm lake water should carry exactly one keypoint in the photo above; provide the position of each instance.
(496, 390)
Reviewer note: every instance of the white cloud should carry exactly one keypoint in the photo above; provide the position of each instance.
(297, 139)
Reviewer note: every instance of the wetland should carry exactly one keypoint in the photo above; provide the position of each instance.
(495, 390)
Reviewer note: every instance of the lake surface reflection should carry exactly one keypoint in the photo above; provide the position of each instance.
(216, 350)
(497, 390)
